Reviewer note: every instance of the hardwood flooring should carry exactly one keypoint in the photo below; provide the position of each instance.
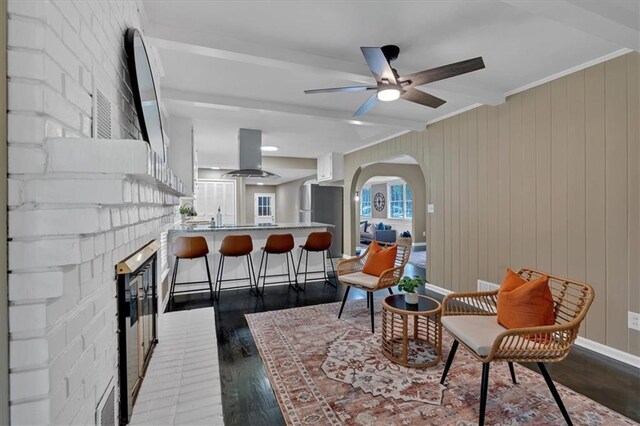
(248, 399)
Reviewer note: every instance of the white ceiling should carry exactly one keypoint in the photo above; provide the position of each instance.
(238, 64)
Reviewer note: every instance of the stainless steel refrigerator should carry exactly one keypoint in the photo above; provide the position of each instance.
(323, 204)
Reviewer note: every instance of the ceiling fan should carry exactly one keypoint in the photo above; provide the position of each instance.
(390, 86)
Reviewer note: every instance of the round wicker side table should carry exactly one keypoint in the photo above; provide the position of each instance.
(411, 334)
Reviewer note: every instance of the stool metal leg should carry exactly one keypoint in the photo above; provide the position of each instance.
(306, 268)
(173, 280)
(252, 273)
(299, 260)
(324, 267)
(260, 271)
(206, 261)
(333, 269)
(220, 271)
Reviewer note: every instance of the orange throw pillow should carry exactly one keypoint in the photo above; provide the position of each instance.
(374, 247)
(380, 260)
(523, 303)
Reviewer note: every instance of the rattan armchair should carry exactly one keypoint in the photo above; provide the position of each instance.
(470, 318)
(350, 274)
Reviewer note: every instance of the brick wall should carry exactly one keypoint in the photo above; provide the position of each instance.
(77, 205)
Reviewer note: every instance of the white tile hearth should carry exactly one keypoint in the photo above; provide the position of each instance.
(182, 385)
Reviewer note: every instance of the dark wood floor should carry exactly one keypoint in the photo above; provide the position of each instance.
(248, 399)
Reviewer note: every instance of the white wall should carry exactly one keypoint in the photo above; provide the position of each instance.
(72, 217)
(180, 150)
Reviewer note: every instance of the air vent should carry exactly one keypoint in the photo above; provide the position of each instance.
(101, 115)
(106, 410)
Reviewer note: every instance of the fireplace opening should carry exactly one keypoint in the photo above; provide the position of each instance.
(137, 322)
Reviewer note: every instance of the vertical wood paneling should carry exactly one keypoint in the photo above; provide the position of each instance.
(559, 176)
(633, 135)
(504, 195)
(529, 233)
(447, 205)
(493, 209)
(543, 176)
(455, 202)
(516, 162)
(595, 200)
(616, 200)
(576, 181)
(483, 216)
(474, 214)
(465, 285)
(436, 167)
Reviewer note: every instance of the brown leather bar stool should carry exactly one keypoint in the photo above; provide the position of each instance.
(236, 246)
(317, 242)
(189, 248)
(278, 244)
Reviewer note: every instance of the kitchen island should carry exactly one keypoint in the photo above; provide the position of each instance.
(194, 270)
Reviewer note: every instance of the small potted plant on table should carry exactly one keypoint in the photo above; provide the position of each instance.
(409, 285)
(186, 211)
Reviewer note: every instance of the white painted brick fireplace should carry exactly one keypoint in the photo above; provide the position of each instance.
(97, 202)
(77, 205)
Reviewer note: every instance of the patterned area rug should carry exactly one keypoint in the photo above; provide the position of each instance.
(329, 371)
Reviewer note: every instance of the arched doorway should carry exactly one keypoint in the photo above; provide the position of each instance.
(403, 168)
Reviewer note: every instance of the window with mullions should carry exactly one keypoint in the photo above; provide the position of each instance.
(365, 202)
(396, 201)
(400, 201)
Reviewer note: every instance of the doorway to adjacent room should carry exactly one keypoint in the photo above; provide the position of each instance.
(264, 208)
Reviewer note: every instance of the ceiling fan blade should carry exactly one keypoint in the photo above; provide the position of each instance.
(445, 71)
(422, 98)
(367, 105)
(341, 89)
(378, 64)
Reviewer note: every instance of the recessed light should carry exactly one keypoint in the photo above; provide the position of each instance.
(269, 148)
(214, 168)
(356, 122)
(260, 183)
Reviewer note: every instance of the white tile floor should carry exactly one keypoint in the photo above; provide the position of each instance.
(182, 385)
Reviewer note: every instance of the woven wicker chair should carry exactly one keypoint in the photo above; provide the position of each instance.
(350, 274)
(470, 318)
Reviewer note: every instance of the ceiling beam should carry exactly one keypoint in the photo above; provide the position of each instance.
(204, 100)
(573, 15)
(197, 43)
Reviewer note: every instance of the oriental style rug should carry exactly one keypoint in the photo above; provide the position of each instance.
(329, 371)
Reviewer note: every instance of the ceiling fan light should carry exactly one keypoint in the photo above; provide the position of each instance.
(388, 94)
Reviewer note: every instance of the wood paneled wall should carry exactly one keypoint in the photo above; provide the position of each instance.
(550, 179)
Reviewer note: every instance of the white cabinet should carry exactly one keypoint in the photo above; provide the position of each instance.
(330, 167)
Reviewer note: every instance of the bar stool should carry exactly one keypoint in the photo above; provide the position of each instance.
(189, 248)
(317, 242)
(278, 244)
(236, 246)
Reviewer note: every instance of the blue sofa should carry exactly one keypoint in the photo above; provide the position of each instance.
(373, 232)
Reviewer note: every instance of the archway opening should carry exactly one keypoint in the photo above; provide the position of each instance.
(385, 210)
(396, 169)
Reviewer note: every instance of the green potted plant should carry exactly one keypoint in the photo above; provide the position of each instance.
(186, 211)
(409, 285)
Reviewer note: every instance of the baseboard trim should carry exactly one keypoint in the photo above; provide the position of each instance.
(437, 289)
(609, 352)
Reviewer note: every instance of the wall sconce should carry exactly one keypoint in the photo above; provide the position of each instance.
(356, 198)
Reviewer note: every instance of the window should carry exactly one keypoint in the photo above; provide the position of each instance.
(211, 194)
(365, 202)
(400, 201)
(396, 201)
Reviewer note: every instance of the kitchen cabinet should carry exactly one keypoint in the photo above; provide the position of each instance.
(330, 167)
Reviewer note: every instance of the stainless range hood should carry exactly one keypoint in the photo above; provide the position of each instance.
(249, 150)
